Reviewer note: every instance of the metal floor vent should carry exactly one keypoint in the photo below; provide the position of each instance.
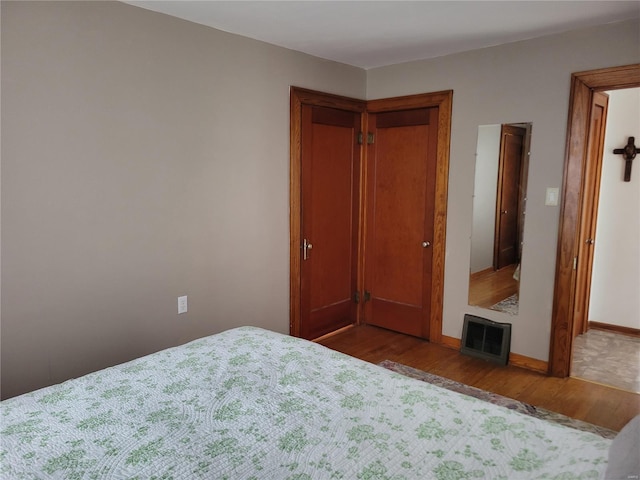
(486, 339)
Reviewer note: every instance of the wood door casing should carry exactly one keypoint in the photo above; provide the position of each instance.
(507, 228)
(583, 85)
(443, 102)
(330, 193)
(589, 214)
(400, 212)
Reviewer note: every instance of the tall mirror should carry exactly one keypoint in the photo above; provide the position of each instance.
(499, 206)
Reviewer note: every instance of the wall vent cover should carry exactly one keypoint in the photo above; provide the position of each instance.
(486, 339)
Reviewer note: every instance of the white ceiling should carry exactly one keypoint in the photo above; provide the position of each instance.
(370, 34)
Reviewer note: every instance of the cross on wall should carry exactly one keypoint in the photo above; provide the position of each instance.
(628, 153)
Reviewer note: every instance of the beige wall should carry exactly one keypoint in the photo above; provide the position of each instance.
(520, 82)
(143, 158)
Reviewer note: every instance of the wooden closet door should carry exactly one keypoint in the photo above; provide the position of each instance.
(330, 157)
(400, 219)
(506, 250)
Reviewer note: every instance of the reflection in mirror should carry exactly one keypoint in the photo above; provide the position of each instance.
(499, 202)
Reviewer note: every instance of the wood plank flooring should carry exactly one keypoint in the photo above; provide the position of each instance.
(593, 403)
(488, 287)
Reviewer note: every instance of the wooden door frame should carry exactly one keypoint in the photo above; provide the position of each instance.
(442, 100)
(298, 97)
(583, 84)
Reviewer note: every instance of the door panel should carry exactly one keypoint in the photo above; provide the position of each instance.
(401, 189)
(589, 215)
(506, 250)
(330, 165)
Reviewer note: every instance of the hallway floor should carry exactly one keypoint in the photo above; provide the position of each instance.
(607, 358)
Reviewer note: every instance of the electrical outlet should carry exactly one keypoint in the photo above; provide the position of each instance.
(182, 304)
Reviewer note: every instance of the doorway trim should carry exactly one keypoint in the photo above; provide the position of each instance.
(583, 84)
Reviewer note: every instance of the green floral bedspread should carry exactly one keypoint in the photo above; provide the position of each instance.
(253, 404)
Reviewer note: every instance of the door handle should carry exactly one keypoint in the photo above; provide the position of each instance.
(503, 212)
(590, 241)
(426, 244)
(306, 246)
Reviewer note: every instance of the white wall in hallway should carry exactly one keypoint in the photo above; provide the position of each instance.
(616, 267)
(484, 197)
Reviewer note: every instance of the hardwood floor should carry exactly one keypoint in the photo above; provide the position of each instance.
(488, 287)
(593, 403)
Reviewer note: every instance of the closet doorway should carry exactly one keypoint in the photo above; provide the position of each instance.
(368, 212)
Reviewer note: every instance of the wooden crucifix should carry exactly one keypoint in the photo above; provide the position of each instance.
(628, 153)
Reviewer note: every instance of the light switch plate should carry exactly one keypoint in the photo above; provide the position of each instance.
(551, 198)
(182, 304)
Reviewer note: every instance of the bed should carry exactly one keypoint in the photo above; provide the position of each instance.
(253, 404)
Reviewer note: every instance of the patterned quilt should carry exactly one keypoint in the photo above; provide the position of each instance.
(253, 404)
